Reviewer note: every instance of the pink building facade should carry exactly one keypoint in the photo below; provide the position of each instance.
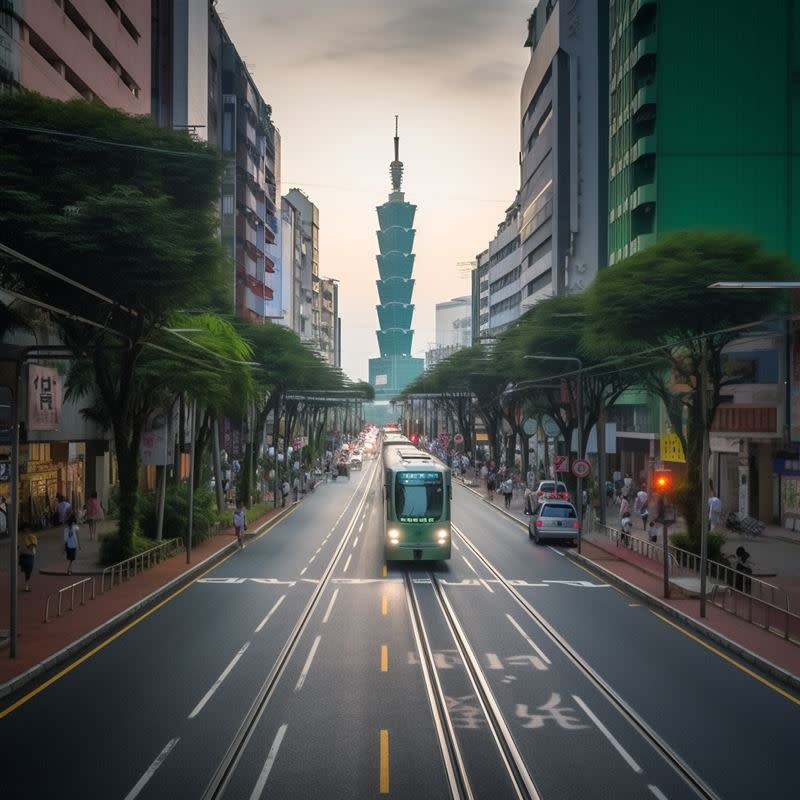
(95, 49)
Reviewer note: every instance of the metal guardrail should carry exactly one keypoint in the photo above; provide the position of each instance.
(132, 566)
(72, 589)
(772, 618)
(643, 547)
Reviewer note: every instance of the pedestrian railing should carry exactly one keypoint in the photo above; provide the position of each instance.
(57, 598)
(742, 604)
(132, 566)
(643, 547)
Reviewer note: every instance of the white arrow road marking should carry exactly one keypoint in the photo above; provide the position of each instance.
(160, 758)
(199, 707)
(607, 733)
(271, 612)
(271, 756)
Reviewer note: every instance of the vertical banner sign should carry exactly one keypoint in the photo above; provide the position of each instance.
(44, 398)
(795, 388)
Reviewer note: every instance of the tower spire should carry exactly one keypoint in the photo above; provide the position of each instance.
(396, 167)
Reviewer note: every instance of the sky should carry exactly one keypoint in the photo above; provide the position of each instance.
(336, 73)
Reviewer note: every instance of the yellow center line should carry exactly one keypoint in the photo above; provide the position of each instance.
(86, 656)
(730, 660)
(385, 605)
(384, 658)
(384, 770)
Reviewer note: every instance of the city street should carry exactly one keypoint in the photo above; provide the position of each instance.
(300, 668)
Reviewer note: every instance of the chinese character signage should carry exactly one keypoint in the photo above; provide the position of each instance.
(672, 449)
(44, 398)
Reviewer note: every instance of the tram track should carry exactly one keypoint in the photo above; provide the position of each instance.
(460, 786)
(218, 784)
(689, 776)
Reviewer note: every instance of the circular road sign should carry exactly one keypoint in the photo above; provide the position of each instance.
(529, 426)
(458, 438)
(581, 468)
(550, 426)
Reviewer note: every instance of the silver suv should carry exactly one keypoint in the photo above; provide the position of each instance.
(554, 519)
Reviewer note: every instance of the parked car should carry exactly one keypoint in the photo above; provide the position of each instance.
(554, 519)
(549, 490)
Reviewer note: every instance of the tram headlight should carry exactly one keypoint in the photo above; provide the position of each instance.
(394, 536)
(443, 535)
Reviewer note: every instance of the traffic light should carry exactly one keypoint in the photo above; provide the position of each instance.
(662, 481)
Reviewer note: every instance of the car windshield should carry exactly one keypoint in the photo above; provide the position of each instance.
(549, 486)
(419, 496)
(564, 512)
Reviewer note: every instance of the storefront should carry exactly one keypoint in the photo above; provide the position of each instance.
(786, 472)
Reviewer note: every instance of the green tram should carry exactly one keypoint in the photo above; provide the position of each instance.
(417, 492)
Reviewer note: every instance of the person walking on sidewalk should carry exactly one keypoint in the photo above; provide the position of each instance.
(94, 514)
(714, 511)
(640, 507)
(63, 509)
(71, 542)
(508, 490)
(27, 554)
(285, 488)
(240, 523)
(296, 488)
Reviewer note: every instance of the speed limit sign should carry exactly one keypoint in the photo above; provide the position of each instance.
(581, 468)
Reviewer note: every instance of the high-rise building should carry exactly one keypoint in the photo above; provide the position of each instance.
(702, 102)
(302, 225)
(96, 50)
(480, 295)
(453, 329)
(329, 321)
(395, 367)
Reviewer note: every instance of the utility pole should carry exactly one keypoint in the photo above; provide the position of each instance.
(704, 479)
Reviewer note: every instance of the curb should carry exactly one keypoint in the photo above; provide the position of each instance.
(116, 622)
(766, 666)
(773, 670)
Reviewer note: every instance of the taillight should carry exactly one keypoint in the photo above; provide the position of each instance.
(575, 524)
(539, 523)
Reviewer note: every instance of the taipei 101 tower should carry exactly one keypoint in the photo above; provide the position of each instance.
(394, 368)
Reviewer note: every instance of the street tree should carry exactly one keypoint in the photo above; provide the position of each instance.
(127, 211)
(659, 301)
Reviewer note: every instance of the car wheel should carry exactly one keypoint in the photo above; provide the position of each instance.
(574, 542)
(530, 532)
(536, 537)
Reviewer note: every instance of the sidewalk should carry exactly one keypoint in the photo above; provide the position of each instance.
(776, 556)
(42, 646)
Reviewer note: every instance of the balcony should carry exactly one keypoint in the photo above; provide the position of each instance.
(643, 195)
(646, 96)
(643, 147)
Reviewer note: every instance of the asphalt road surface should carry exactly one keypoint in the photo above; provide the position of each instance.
(304, 667)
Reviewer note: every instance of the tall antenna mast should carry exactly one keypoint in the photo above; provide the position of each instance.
(396, 167)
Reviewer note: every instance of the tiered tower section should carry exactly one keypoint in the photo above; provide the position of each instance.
(395, 367)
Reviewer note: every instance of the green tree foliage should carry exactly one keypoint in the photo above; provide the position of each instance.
(659, 299)
(126, 208)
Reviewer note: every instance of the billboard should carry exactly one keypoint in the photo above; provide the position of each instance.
(44, 398)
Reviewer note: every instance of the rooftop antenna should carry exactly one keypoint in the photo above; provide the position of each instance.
(396, 167)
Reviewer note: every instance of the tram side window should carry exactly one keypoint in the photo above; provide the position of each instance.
(419, 496)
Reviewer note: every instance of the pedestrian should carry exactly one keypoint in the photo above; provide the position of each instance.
(71, 542)
(94, 514)
(624, 508)
(609, 493)
(3, 517)
(490, 484)
(63, 508)
(627, 486)
(508, 490)
(626, 524)
(27, 554)
(240, 523)
(742, 581)
(653, 532)
(285, 488)
(640, 507)
(529, 500)
(714, 511)
(296, 487)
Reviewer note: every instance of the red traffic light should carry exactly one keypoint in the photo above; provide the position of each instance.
(662, 480)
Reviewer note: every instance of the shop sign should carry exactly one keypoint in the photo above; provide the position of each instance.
(44, 398)
(672, 449)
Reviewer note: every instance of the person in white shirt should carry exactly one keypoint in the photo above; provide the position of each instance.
(64, 509)
(240, 523)
(71, 542)
(714, 511)
(640, 506)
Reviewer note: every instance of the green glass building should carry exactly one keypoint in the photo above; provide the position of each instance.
(395, 367)
(704, 114)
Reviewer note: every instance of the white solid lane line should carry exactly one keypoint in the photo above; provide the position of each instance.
(555, 551)
(271, 612)
(273, 754)
(330, 606)
(160, 758)
(347, 563)
(470, 565)
(307, 666)
(199, 707)
(607, 733)
(528, 639)
(657, 792)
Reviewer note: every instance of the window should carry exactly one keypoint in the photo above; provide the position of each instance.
(227, 204)
(560, 512)
(419, 496)
(539, 282)
(756, 366)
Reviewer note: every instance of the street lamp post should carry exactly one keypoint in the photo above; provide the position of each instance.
(579, 404)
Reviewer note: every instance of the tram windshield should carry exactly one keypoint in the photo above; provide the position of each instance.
(419, 496)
